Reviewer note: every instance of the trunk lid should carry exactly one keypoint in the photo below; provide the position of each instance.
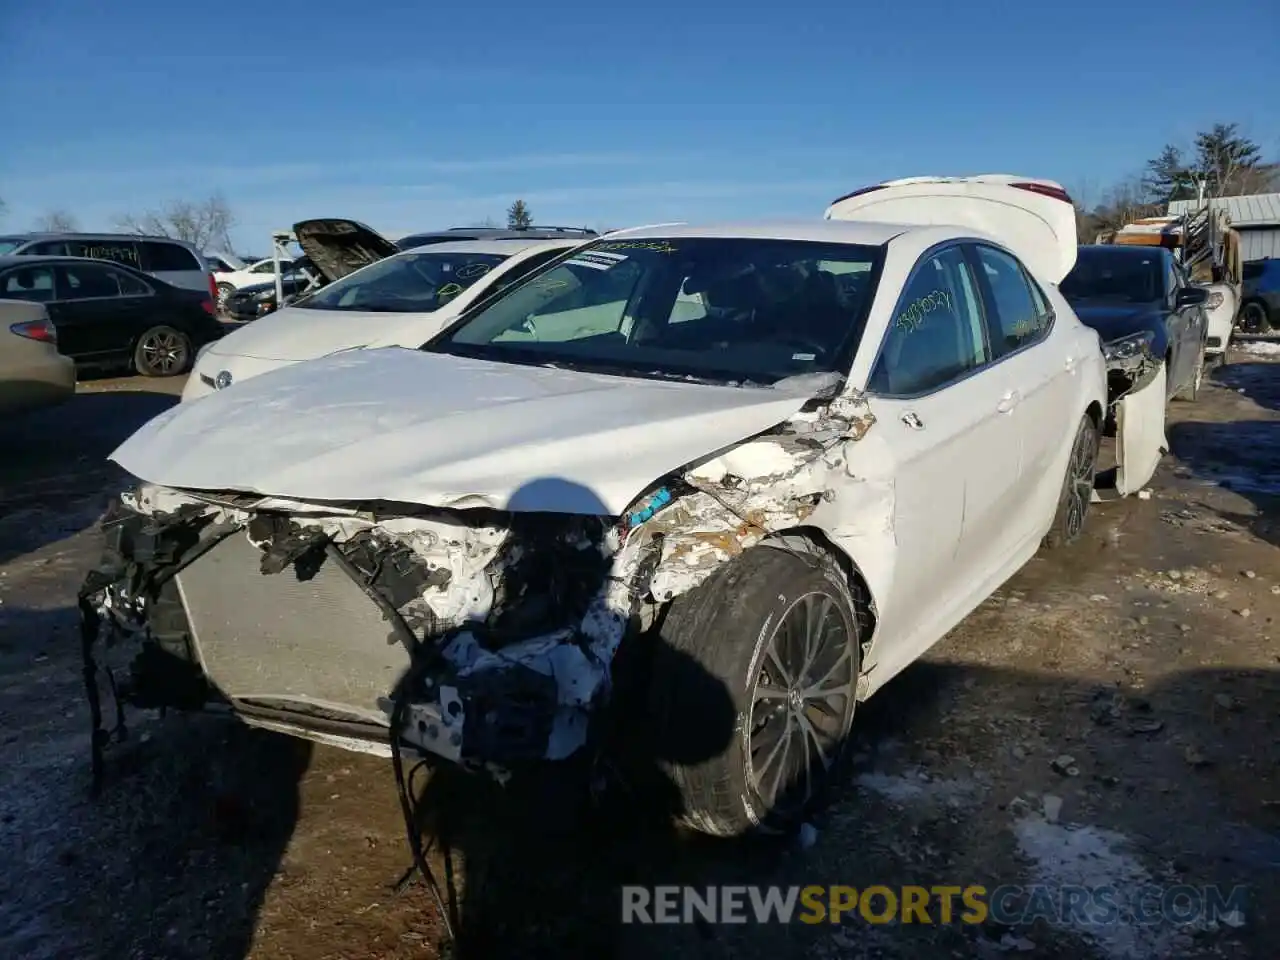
(1033, 218)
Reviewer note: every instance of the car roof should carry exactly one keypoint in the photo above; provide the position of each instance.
(829, 231)
(81, 235)
(504, 246)
(1122, 249)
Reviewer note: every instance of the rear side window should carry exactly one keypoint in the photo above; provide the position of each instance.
(159, 257)
(1017, 314)
(935, 336)
(28, 283)
(117, 251)
(88, 282)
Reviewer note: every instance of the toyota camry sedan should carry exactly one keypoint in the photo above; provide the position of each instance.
(726, 480)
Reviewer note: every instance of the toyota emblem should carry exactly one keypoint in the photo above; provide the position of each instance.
(222, 380)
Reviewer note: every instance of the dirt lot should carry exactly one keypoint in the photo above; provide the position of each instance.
(1112, 716)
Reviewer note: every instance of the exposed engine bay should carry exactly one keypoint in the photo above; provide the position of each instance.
(480, 636)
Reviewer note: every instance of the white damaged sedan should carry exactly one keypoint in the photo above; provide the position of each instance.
(788, 458)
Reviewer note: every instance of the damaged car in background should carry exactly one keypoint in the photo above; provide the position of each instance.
(790, 457)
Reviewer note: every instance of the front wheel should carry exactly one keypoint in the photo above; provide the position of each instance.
(1077, 487)
(1254, 319)
(162, 352)
(774, 637)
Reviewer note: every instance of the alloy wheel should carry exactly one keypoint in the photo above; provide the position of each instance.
(801, 702)
(1082, 470)
(164, 352)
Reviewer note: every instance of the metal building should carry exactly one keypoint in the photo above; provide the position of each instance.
(1256, 218)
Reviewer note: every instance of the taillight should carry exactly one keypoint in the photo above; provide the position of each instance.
(41, 330)
(1045, 190)
(213, 288)
(209, 308)
(856, 193)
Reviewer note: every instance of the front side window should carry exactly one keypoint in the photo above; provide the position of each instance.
(935, 335)
(1110, 275)
(730, 310)
(117, 251)
(405, 283)
(1017, 313)
(28, 283)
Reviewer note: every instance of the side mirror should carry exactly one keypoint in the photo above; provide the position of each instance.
(1191, 297)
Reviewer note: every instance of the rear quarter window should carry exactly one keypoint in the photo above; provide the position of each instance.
(159, 257)
(117, 251)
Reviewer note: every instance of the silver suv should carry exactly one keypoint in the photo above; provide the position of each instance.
(172, 261)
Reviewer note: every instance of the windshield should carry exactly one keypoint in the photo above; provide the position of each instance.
(8, 244)
(406, 283)
(719, 309)
(1113, 275)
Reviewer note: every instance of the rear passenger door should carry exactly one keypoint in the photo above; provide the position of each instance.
(98, 311)
(955, 451)
(1040, 380)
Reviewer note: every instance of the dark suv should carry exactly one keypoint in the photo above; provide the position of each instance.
(1260, 296)
(173, 261)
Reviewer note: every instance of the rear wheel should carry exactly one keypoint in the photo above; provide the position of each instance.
(1077, 487)
(778, 632)
(162, 352)
(225, 290)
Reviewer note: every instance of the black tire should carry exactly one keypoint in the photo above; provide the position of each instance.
(727, 637)
(162, 352)
(1191, 390)
(1077, 487)
(1254, 318)
(224, 290)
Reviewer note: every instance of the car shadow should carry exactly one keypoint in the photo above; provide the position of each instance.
(1240, 455)
(55, 479)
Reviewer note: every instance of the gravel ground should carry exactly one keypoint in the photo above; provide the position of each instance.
(1111, 716)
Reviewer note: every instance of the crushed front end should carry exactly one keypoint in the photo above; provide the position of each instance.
(481, 636)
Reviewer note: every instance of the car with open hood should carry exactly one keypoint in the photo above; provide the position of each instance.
(728, 480)
(401, 300)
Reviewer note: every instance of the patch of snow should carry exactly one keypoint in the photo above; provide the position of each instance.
(915, 788)
(1259, 348)
(1088, 856)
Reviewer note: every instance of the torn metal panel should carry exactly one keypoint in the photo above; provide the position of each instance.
(495, 629)
(1140, 433)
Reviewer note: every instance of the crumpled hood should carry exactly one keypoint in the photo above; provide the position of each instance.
(407, 426)
(1115, 320)
(296, 333)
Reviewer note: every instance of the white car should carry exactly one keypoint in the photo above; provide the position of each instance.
(726, 480)
(400, 300)
(229, 281)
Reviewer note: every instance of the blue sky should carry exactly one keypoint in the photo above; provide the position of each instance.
(608, 114)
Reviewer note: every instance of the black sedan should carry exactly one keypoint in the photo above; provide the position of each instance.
(259, 299)
(1146, 311)
(110, 315)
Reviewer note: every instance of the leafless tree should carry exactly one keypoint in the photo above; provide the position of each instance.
(206, 224)
(57, 221)
(1123, 203)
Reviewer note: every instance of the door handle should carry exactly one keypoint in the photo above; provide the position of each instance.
(912, 420)
(1009, 401)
